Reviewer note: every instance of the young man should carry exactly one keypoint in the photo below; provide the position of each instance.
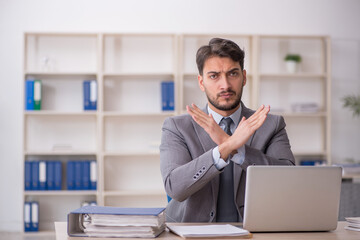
(204, 154)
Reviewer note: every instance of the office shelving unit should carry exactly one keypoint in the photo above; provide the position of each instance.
(123, 135)
(133, 66)
(61, 130)
(309, 132)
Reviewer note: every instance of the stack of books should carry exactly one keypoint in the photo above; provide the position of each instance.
(98, 221)
(353, 223)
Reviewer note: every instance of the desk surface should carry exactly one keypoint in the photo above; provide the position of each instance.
(339, 234)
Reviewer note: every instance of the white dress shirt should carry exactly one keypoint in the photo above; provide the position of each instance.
(237, 158)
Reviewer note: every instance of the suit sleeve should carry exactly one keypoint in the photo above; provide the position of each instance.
(182, 173)
(274, 150)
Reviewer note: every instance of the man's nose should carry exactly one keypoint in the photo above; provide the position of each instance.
(224, 82)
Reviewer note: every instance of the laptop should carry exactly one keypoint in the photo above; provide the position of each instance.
(292, 198)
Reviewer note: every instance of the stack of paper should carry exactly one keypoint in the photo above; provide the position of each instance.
(354, 223)
(305, 107)
(97, 221)
(209, 231)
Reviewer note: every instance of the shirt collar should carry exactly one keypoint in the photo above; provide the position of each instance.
(217, 117)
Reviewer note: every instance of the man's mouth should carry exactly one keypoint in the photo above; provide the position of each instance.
(226, 94)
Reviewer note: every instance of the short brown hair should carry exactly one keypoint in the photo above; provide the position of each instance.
(221, 48)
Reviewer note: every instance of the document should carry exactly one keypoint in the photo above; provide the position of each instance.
(209, 231)
(354, 223)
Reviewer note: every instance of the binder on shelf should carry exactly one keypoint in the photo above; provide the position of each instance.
(167, 96)
(78, 175)
(164, 96)
(81, 175)
(27, 216)
(93, 175)
(37, 94)
(29, 94)
(35, 175)
(34, 216)
(50, 175)
(42, 175)
(123, 222)
(171, 96)
(27, 177)
(70, 175)
(90, 94)
(57, 175)
(312, 162)
(85, 175)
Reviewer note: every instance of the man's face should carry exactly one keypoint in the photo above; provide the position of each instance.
(223, 82)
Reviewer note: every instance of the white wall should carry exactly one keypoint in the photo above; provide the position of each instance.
(337, 18)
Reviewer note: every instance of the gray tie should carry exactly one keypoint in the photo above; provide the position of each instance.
(226, 209)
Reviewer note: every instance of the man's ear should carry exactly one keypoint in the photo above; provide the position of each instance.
(244, 77)
(201, 82)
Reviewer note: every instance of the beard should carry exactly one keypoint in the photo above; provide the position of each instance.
(225, 107)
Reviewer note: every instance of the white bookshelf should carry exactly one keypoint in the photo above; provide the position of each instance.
(124, 133)
(134, 65)
(309, 132)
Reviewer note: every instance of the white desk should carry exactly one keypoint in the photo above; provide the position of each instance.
(339, 234)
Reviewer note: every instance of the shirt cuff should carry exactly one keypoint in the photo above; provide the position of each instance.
(218, 162)
(239, 157)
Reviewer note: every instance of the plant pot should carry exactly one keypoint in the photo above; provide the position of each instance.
(292, 66)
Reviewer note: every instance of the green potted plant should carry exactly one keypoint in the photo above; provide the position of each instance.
(352, 102)
(292, 62)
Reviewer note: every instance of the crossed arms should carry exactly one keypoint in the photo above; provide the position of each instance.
(228, 144)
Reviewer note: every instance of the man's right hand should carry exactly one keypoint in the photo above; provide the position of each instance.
(208, 123)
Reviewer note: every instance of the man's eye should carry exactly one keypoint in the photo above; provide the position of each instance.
(213, 76)
(234, 74)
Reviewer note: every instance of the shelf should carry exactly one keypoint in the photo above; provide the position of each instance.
(57, 113)
(120, 114)
(293, 37)
(49, 74)
(135, 193)
(141, 75)
(300, 114)
(132, 154)
(309, 154)
(61, 193)
(62, 34)
(293, 75)
(62, 153)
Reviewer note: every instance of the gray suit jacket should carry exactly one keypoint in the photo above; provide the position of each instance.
(190, 176)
